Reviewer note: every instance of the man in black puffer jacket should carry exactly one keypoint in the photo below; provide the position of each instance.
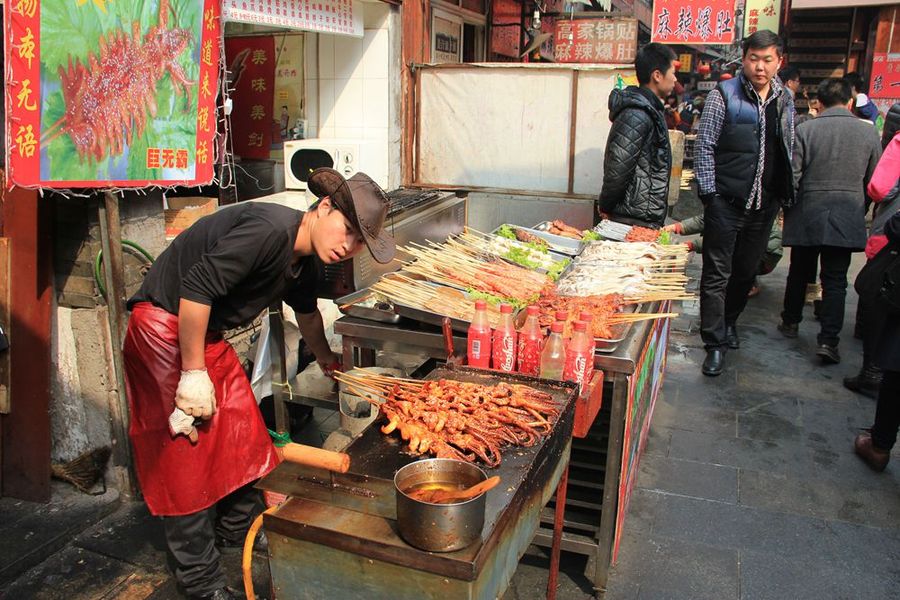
(638, 158)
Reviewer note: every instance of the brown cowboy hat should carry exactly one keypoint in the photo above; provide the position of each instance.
(363, 202)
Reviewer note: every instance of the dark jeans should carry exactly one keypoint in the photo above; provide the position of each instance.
(887, 413)
(833, 273)
(734, 241)
(192, 538)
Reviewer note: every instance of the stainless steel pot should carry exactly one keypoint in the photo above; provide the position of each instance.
(439, 527)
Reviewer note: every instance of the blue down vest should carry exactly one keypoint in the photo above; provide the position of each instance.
(737, 150)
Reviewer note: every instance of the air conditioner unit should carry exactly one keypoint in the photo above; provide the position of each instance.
(302, 157)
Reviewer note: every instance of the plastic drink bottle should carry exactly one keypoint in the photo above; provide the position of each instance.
(579, 359)
(553, 358)
(505, 342)
(530, 341)
(479, 337)
(588, 317)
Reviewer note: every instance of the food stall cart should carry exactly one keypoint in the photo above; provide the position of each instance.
(340, 530)
(604, 461)
(611, 415)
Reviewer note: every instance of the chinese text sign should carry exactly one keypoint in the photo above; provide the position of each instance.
(595, 41)
(253, 67)
(340, 17)
(693, 21)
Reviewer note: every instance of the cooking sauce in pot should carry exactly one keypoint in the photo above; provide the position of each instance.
(421, 491)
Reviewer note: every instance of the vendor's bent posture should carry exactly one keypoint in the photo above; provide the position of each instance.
(220, 274)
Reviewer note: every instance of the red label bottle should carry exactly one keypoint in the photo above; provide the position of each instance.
(479, 337)
(531, 341)
(579, 358)
(505, 341)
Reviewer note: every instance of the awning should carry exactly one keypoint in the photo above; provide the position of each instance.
(802, 4)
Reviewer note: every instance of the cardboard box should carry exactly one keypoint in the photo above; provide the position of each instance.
(184, 212)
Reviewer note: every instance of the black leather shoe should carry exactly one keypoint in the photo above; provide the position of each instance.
(223, 593)
(789, 330)
(866, 382)
(731, 337)
(828, 354)
(714, 363)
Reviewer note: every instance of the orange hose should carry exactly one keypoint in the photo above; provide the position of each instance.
(248, 552)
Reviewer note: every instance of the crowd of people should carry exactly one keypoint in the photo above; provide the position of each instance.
(773, 171)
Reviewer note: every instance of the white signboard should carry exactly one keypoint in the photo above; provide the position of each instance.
(706, 86)
(340, 17)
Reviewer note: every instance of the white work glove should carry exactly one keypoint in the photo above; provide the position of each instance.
(182, 423)
(195, 394)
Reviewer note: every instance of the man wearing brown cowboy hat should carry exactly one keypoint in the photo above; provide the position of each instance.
(219, 274)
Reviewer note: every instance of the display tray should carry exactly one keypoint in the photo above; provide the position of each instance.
(566, 247)
(573, 246)
(362, 304)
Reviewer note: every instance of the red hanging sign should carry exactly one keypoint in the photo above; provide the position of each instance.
(885, 76)
(253, 64)
(693, 21)
(90, 104)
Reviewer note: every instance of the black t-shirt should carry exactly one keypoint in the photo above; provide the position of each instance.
(237, 260)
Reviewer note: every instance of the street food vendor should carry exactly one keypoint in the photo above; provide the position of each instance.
(199, 440)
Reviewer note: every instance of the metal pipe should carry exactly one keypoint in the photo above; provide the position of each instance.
(558, 518)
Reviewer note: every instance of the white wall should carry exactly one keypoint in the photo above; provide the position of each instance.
(349, 87)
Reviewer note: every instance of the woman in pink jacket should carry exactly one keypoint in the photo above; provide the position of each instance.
(884, 190)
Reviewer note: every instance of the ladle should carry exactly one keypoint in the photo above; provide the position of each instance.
(433, 496)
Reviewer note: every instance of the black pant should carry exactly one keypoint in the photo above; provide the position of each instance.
(192, 538)
(870, 318)
(887, 413)
(734, 241)
(833, 273)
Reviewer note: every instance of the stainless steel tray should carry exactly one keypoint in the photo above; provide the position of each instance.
(572, 247)
(350, 305)
(566, 247)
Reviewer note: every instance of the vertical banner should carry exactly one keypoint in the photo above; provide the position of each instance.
(91, 103)
(693, 22)
(506, 30)
(761, 14)
(288, 87)
(254, 94)
(612, 41)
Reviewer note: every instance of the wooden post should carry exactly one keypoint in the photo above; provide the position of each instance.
(113, 271)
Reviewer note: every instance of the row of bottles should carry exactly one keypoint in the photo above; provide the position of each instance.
(525, 351)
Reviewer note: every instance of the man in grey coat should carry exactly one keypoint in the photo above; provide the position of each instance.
(834, 157)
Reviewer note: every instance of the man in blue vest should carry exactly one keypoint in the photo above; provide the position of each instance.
(742, 161)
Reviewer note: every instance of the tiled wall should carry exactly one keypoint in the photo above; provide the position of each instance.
(349, 90)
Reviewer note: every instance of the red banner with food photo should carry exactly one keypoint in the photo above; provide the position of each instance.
(693, 22)
(251, 62)
(91, 102)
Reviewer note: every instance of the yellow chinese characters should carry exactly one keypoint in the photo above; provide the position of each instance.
(26, 141)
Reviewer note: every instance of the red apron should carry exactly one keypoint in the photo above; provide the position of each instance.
(177, 477)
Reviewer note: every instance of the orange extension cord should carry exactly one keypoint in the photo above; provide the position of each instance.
(248, 552)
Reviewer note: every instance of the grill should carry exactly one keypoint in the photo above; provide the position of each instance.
(415, 215)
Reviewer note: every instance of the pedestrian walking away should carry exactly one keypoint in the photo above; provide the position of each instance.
(884, 191)
(834, 158)
(638, 158)
(874, 445)
(743, 170)
(199, 439)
